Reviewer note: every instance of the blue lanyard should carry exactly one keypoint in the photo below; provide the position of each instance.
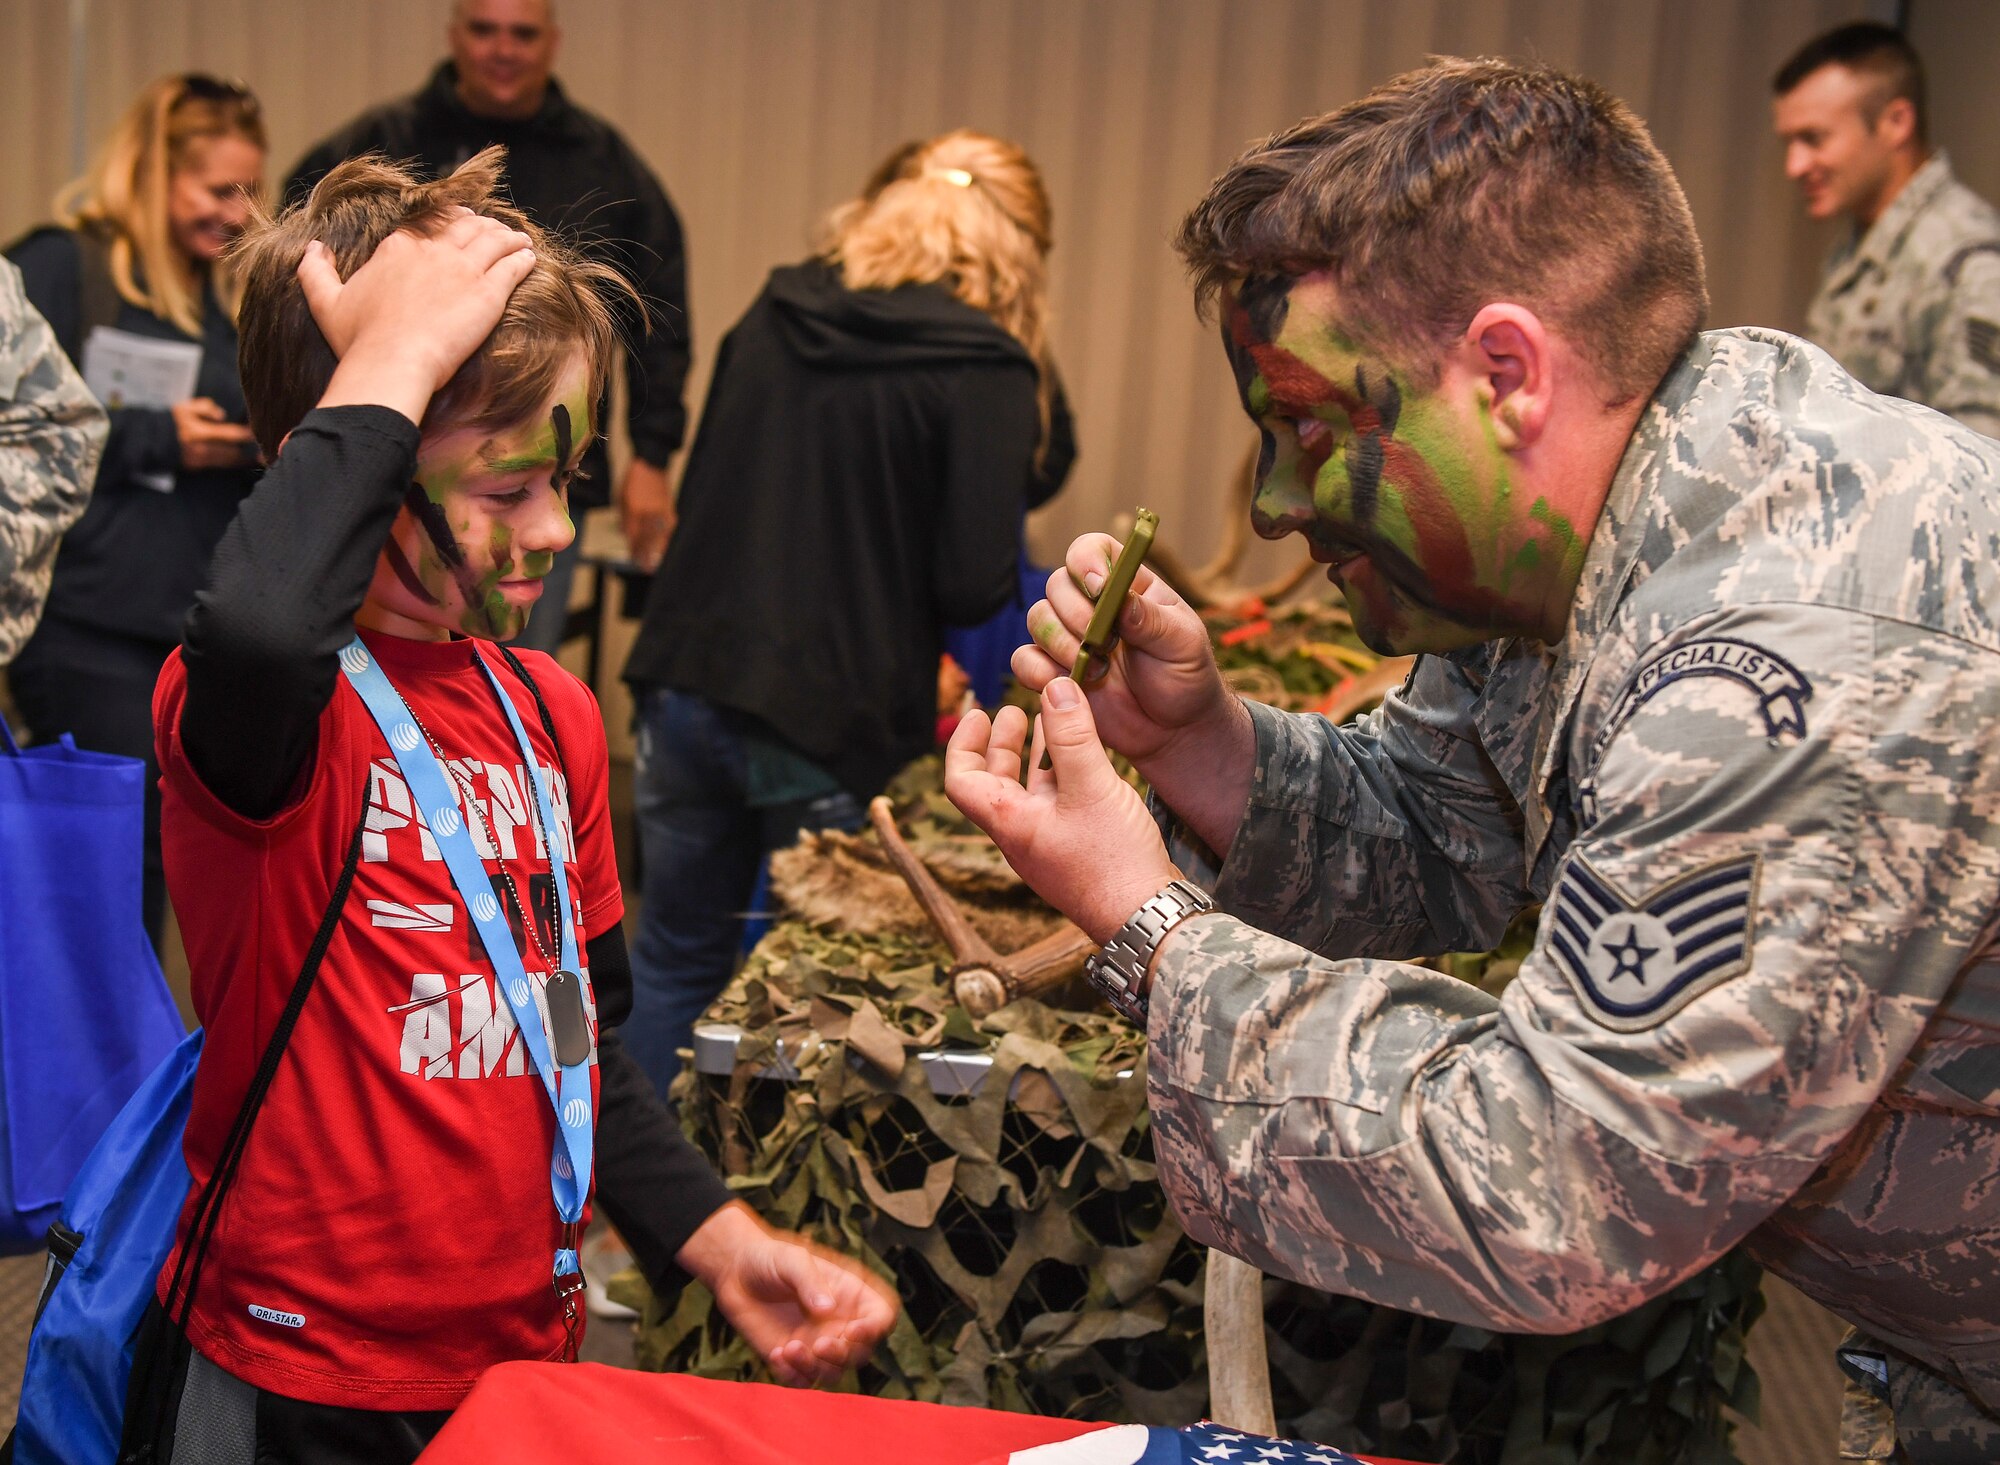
(435, 794)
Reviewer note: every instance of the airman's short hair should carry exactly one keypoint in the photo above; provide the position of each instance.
(1460, 184)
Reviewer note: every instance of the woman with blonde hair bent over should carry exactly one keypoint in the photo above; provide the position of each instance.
(137, 260)
(879, 422)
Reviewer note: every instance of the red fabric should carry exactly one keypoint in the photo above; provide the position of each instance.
(395, 1194)
(585, 1414)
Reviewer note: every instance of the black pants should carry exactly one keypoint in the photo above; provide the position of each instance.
(98, 687)
(194, 1413)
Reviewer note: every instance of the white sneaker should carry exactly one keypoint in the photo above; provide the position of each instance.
(603, 1255)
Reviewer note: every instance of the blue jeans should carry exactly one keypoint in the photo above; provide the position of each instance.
(701, 845)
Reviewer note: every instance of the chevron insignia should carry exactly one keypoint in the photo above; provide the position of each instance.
(1982, 342)
(1637, 961)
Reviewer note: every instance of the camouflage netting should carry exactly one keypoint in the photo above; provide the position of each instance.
(1039, 1265)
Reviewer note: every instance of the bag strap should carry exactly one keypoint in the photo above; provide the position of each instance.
(548, 723)
(208, 1208)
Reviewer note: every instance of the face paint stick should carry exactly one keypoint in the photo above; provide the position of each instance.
(1103, 628)
(1102, 632)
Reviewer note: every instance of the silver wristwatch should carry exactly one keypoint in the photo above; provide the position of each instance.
(1119, 970)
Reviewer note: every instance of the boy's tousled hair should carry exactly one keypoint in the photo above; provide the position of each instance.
(563, 306)
(1460, 184)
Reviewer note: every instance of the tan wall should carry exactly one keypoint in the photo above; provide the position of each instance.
(1960, 43)
(761, 114)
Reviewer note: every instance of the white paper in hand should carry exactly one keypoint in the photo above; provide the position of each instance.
(126, 370)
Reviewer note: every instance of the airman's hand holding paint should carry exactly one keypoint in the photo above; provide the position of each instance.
(407, 319)
(1161, 700)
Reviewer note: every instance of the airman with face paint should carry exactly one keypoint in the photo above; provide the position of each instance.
(1712, 675)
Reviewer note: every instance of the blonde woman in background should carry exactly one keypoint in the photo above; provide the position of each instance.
(138, 253)
(879, 422)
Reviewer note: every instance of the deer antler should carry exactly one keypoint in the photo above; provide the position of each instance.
(982, 979)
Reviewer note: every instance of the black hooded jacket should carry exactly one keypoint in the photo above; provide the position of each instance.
(857, 484)
(570, 171)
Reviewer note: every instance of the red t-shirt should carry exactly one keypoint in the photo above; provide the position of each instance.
(390, 1231)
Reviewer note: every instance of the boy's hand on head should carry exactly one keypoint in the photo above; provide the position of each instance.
(810, 1313)
(410, 316)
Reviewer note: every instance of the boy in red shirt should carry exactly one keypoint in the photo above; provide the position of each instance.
(421, 363)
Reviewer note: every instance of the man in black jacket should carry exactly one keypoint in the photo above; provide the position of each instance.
(570, 171)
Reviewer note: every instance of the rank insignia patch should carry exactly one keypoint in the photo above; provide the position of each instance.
(1982, 342)
(1635, 962)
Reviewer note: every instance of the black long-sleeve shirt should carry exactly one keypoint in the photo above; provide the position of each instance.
(864, 461)
(570, 171)
(261, 651)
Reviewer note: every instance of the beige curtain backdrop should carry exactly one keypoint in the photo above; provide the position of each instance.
(761, 114)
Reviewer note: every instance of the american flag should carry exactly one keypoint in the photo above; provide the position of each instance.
(1197, 1444)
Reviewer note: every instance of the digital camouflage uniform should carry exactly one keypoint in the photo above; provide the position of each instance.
(1757, 787)
(51, 433)
(1912, 307)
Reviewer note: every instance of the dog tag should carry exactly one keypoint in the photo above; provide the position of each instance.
(569, 1029)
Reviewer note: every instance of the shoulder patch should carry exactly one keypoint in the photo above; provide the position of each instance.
(1782, 689)
(1635, 961)
(1954, 266)
(1982, 342)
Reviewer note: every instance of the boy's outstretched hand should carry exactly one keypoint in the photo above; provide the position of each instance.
(810, 1314)
(403, 322)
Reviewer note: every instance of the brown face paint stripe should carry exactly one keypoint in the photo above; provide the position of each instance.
(431, 517)
(406, 573)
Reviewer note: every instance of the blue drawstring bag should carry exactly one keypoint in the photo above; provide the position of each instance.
(105, 1255)
(113, 1236)
(84, 1012)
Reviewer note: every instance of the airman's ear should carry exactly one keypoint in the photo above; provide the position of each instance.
(1506, 349)
(1897, 123)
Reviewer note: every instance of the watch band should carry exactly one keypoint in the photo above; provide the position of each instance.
(1118, 972)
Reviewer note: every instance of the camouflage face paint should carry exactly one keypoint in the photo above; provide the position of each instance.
(406, 573)
(1405, 494)
(485, 518)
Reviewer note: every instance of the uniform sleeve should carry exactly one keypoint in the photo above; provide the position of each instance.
(1962, 373)
(991, 428)
(1394, 835)
(51, 435)
(143, 441)
(1735, 958)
